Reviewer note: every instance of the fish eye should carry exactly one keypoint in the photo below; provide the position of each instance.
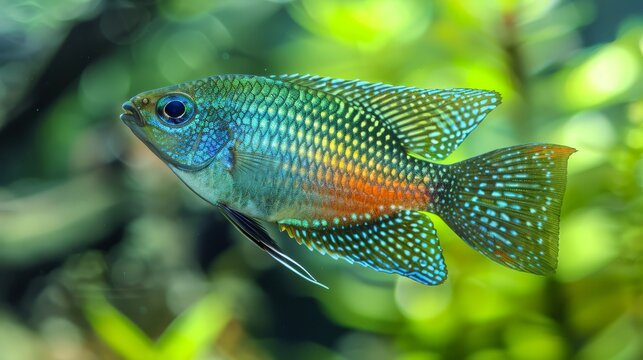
(175, 109)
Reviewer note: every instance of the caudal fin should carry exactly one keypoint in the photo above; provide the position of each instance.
(506, 204)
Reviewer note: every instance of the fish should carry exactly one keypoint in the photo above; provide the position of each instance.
(352, 169)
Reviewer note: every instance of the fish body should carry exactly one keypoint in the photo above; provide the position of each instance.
(346, 168)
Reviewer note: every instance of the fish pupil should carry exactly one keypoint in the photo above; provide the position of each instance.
(174, 109)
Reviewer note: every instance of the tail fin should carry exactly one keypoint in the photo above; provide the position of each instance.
(506, 204)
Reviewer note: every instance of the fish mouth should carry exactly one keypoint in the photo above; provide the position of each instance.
(131, 115)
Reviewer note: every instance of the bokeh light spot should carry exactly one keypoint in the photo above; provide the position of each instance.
(364, 24)
(606, 74)
(587, 243)
(184, 55)
(420, 302)
(593, 135)
(103, 84)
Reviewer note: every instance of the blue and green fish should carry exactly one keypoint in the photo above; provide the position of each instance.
(346, 168)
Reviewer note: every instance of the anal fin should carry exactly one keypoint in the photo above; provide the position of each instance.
(404, 243)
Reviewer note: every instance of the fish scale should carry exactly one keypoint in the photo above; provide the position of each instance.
(346, 168)
(332, 181)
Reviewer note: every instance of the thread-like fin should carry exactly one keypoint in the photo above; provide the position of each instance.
(506, 204)
(404, 243)
(258, 235)
(430, 122)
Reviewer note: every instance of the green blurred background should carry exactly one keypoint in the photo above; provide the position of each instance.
(104, 254)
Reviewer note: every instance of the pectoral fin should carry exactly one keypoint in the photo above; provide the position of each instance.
(248, 163)
(258, 235)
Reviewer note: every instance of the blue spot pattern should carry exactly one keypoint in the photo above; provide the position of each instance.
(506, 204)
(404, 243)
(430, 122)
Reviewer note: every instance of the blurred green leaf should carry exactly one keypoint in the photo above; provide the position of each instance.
(195, 329)
(185, 338)
(120, 333)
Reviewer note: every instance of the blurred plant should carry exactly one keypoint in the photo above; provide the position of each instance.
(184, 338)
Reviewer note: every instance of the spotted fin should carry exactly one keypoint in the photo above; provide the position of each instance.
(405, 243)
(506, 204)
(258, 235)
(430, 122)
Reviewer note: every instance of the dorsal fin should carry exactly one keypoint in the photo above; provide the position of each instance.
(404, 243)
(430, 122)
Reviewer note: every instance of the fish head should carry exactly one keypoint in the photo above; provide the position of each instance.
(182, 124)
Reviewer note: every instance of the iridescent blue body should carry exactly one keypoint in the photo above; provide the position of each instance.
(343, 167)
